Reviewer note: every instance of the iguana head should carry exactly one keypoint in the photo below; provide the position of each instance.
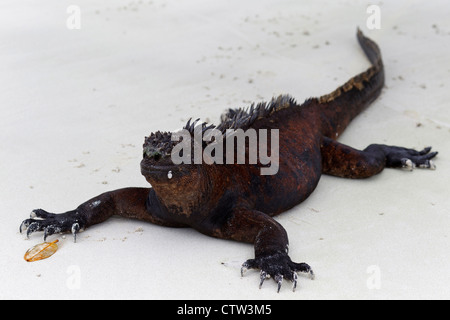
(158, 147)
(157, 165)
(160, 166)
(158, 161)
(180, 187)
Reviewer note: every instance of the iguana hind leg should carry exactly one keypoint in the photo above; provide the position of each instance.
(344, 161)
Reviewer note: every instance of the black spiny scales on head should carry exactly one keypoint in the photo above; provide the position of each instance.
(158, 144)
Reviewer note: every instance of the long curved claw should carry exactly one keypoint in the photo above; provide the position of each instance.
(75, 228)
(305, 268)
(407, 164)
(50, 229)
(312, 276)
(263, 277)
(244, 268)
(279, 280)
(48, 232)
(33, 226)
(294, 281)
(428, 164)
(24, 225)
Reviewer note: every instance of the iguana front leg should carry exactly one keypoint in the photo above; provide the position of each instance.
(271, 246)
(127, 202)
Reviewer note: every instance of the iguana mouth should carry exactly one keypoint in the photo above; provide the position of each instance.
(148, 167)
(155, 171)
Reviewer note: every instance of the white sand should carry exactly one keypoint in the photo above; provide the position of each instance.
(76, 105)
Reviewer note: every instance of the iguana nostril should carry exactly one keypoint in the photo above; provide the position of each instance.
(155, 154)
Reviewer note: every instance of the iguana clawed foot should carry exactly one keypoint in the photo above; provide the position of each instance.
(421, 159)
(51, 223)
(278, 266)
(410, 158)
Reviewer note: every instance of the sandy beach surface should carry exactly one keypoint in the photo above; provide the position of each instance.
(81, 89)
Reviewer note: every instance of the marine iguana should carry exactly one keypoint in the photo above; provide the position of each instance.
(234, 201)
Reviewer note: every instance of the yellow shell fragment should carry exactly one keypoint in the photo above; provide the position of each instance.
(41, 251)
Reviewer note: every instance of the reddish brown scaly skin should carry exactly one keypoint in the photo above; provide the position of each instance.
(234, 201)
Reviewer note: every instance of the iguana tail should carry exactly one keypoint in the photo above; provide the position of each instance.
(346, 102)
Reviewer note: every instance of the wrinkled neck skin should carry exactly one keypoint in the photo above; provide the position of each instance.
(187, 195)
